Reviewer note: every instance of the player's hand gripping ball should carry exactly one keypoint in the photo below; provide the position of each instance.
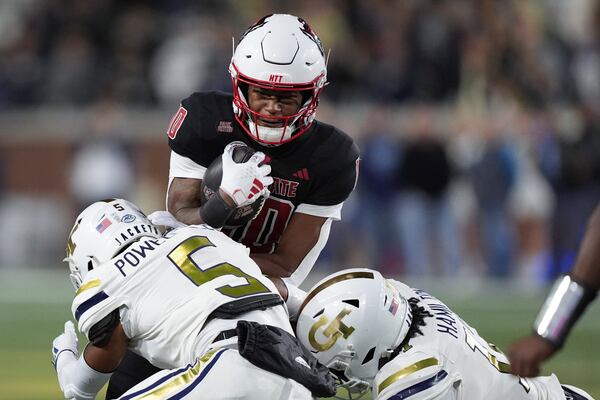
(240, 154)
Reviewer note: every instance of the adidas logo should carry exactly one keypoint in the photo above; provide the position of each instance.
(302, 362)
(302, 174)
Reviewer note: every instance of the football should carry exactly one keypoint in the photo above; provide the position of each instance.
(212, 181)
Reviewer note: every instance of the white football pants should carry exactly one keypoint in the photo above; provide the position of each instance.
(218, 375)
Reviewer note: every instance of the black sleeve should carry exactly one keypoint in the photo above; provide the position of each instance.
(101, 332)
(338, 178)
(195, 137)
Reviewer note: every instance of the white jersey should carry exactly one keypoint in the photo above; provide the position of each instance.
(166, 288)
(451, 361)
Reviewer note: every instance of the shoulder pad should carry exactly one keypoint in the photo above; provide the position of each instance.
(91, 304)
(202, 127)
(417, 375)
(336, 162)
(335, 146)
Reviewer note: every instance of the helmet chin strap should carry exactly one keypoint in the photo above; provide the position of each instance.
(269, 134)
(75, 280)
(355, 389)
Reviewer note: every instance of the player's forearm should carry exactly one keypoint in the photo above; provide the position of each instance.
(183, 200)
(586, 269)
(291, 294)
(571, 294)
(188, 215)
(184, 204)
(274, 265)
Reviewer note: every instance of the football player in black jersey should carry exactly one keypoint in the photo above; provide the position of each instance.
(278, 71)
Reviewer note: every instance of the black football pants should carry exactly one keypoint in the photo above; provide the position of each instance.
(132, 370)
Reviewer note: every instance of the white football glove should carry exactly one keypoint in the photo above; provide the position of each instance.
(245, 182)
(166, 219)
(66, 345)
(77, 380)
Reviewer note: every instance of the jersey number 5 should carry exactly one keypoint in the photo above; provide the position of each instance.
(181, 257)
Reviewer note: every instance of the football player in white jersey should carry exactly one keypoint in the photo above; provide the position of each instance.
(379, 334)
(193, 301)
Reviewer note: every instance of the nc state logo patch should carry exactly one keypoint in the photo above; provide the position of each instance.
(225, 127)
(176, 122)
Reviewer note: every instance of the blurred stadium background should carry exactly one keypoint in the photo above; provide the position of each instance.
(478, 122)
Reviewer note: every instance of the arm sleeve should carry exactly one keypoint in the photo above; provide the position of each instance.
(77, 379)
(183, 167)
(334, 211)
(295, 298)
(311, 257)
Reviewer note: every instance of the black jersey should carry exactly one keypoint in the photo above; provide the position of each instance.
(318, 168)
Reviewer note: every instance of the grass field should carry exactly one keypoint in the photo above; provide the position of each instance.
(35, 304)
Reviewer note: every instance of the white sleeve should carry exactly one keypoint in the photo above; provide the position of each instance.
(295, 298)
(418, 375)
(333, 212)
(77, 379)
(309, 260)
(182, 167)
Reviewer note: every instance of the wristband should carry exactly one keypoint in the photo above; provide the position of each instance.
(563, 307)
(215, 211)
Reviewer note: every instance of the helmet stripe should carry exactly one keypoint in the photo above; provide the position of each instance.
(335, 279)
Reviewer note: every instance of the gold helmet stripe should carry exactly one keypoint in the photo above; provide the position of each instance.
(335, 279)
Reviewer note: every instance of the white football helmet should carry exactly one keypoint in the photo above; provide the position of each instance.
(278, 52)
(352, 320)
(101, 231)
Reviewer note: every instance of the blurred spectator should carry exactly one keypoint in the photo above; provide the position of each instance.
(380, 157)
(531, 201)
(400, 51)
(433, 41)
(426, 225)
(576, 182)
(181, 62)
(103, 164)
(492, 174)
(70, 70)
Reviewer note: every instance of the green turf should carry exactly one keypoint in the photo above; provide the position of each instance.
(27, 330)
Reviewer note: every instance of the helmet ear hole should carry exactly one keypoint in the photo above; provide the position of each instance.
(369, 355)
(244, 89)
(90, 265)
(352, 302)
(306, 96)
